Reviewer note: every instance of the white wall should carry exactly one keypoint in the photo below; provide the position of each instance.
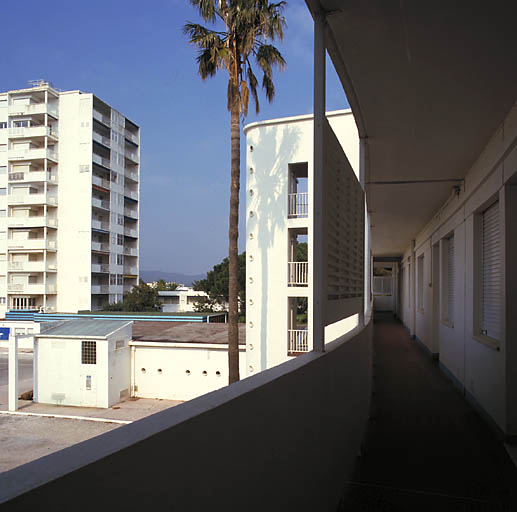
(24, 331)
(182, 368)
(487, 371)
(276, 144)
(74, 203)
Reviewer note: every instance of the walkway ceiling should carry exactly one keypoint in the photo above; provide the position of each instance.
(428, 82)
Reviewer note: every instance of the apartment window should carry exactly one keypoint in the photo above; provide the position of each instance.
(120, 279)
(120, 219)
(3, 125)
(420, 283)
(120, 259)
(448, 278)
(89, 352)
(3, 169)
(113, 279)
(84, 168)
(120, 239)
(3, 300)
(491, 273)
(21, 124)
(114, 177)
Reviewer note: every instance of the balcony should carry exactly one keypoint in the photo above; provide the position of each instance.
(33, 243)
(101, 225)
(130, 270)
(31, 266)
(31, 222)
(101, 203)
(31, 289)
(106, 141)
(132, 137)
(100, 182)
(130, 232)
(298, 273)
(132, 155)
(34, 108)
(131, 251)
(98, 289)
(130, 212)
(32, 131)
(100, 268)
(100, 160)
(298, 205)
(100, 246)
(298, 340)
(33, 176)
(133, 175)
(101, 118)
(130, 193)
(32, 154)
(32, 199)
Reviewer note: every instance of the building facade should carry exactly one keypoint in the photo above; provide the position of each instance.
(279, 217)
(69, 200)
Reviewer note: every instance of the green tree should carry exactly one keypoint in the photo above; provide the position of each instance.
(246, 27)
(141, 298)
(163, 285)
(216, 285)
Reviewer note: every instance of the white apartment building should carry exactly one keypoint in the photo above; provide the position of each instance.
(279, 216)
(69, 192)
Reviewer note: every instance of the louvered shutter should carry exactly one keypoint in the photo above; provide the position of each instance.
(491, 265)
(450, 279)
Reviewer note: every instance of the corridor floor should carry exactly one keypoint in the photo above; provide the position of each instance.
(426, 448)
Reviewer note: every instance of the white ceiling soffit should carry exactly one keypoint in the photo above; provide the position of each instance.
(428, 82)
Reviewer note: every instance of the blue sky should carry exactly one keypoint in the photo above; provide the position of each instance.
(133, 55)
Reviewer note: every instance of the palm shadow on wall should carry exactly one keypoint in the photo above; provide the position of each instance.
(272, 173)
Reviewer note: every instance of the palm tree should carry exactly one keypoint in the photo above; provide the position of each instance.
(247, 26)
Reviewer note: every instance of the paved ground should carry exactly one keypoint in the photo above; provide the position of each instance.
(25, 437)
(426, 448)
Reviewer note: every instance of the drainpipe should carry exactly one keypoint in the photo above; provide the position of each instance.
(319, 287)
(413, 289)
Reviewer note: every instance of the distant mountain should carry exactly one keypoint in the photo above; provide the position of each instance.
(154, 275)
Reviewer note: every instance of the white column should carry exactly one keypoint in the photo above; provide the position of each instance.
(13, 373)
(319, 288)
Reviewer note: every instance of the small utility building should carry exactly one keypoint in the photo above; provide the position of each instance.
(83, 363)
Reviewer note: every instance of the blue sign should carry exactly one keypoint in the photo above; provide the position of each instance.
(4, 333)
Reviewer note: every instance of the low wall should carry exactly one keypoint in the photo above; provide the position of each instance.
(283, 439)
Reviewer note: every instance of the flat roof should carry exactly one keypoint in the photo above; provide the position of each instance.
(185, 332)
(85, 328)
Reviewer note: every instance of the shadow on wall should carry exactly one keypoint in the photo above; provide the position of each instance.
(271, 176)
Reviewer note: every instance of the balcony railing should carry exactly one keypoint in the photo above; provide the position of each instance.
(33, 108)
(31, 289)
(101, 203)
(130, 212)
(33, 199)
(31, 131)
(130, 232)
(101, 118)
(31, 222)
(32, 176)
(101, 182)
(106, 141)
(100, 246)
(130, 270)
(130, 136)
(33, 243)
(132, 155)
(97, 224)
(32, 154)
(100, 288)
(298, 340)
(298, 205)
(100, 268)
(130, 193)
(101, 160)
(31, 266)
(298, 273)
(131, 174)
(130, 251)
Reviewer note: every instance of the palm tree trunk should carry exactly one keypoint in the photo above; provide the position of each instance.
(233, 315)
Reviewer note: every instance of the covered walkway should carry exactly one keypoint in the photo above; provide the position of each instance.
(426, 448)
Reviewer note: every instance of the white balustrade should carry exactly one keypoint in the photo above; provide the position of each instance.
(298, 340)
(298, 205)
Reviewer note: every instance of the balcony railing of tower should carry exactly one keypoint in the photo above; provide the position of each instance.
(298, 205)
(298, 273)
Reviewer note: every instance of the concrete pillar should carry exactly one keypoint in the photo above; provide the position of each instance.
(319, 287)
(13, 373)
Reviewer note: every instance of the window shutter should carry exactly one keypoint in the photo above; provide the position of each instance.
(491, 268)
(450, 279)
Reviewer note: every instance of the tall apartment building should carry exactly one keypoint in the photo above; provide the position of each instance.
(69, 191)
